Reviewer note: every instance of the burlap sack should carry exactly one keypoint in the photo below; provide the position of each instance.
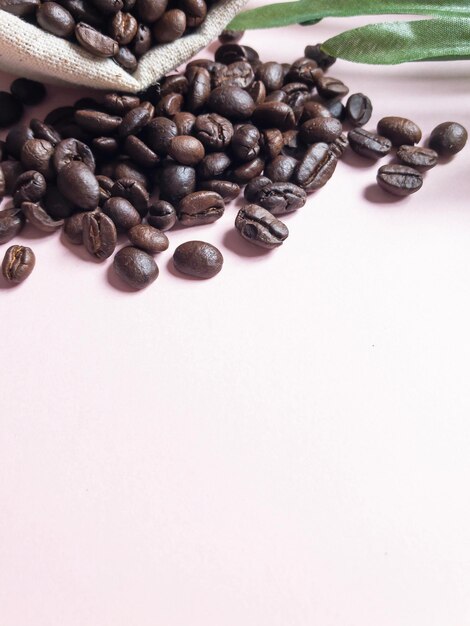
(28, 51)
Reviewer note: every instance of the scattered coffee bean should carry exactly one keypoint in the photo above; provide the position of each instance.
(259, 226)
(368, 144)
(316, 168)
(416, 156)
(198, 258)
(358, 109)
(30, 187)
(148, 238)
(399, 180)
(38, 217)
(231, 36)
(399, 130)
(200, 207)
(162, 215)
(448, 138)
(279, 198)
(18, 264)
(329, 87)
(99, 234)
(135, 267)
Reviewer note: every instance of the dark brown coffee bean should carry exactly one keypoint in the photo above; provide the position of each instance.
(170, 26)
(448, 138)
(169, 105)
(158, 134)
(198, 258)
(135, 267)
(11, 223)
(186, 150)
(16, 138)
(148, 238)
(18, 263)
(238, 74)
(123, 214)
(162, 215)
(38, 217)
(213, 165)
(53, 18)
(317, 129)
(225, 188)
(127, 169)
(259, 226)
(120, 104)
(254, 187)
(257, 91)
(243, 173)
(108, 7)
(399, 130)
(70, 151)
(11, 109)
(230, 53)
(369, 144)
(59, 115)
(339, 145)
(316, 168)
(11, 171)
(73, 228)
(135, 120)
(213, 131)
(175, 83)
(36, 154)
(271, 74)
(246, 142)
(297, 95)
(293, 145)
(231, 36)
(329, 87)
(30, 187)
(233, 103)
(336, 108)
(399, 180)
(276, 96)
(133, 191)
(78, 184)
(56, 205)
(281, 168)
(200, 207)
(123, 28)
(314, 109)
(358, 109)
(176, 181)
(99, 234)
(20, 8)
(272, 142)
(140, 152)
(142, 41)
(195, 10)
(416, 156)
(95, 42)
(184, 122)
(106, 147)
(151, 10)
(126, 59)
(274, 115)
(106, 185)
(44, 131)
(83, 11)
(280, 198)
(97, 123)
(323, 59)
(27, 91)
(304, 70)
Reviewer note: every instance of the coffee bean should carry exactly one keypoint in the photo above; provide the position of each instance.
(336, 108)
(199, 88)
(259, 226)
(233, 103)
(127, 169)
(176, 181)
(276, 96)
(170, 26)
(95, 42)
(162, 215)
(213, 131)
(106, 185)
(169, 105)
(135, 267)
(186, 150)
(225, 188)
(271, 142)
(11, 223)
(73, 227)
(27, 91)
(59, 116)
(271, 74)
(123, 214)
(99, 234)
(231, 36)
(20, 8)
(200, 207)
(252, 190)
(134, 192)
(369, 144)
(78, 184)
(280, 198)
(358, 109)
(318, 129)
(314, 109)
(109, 7)
(123, 28)
(238, 74)
(126, 59)
(151, 10)
(399, 130)
(329, 87)
(231, 52)
(83, 11)
(44, 131)
(142, 42)
(184, 122)
(281, 168)
(30, 187)
(339, 145)
(16, 138)
(274, 115)
(198, 258)
(213, 165)
(158, 133)
(36, 154)
(448, 138)
(245, 142)
(11, 109)
(293, 145)
(399, 180)
(304, 70)
(316, 168)
(174, 83)
(257, 91)
(56, 206)
(245, 172)
(18, 264)
(97, 123)
(323, 59)
(71, 151)
(148, 238)
(120, 104)
(38, 217)
(11, 171)
(140, 152)
(416, 156)
(53, 18)
(135, 120)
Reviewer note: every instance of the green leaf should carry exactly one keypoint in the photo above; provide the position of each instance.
(399, 42)
(302, 11)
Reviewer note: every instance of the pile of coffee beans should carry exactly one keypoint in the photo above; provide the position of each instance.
(180, 152)
(123, 30)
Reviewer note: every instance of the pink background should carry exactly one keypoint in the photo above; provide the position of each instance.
(284, 445)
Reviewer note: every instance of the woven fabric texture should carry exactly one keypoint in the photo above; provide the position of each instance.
(30, 52)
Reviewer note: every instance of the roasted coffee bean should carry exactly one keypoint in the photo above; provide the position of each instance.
(176, 181)
(448, 138)
(38, 217)
(199, 88)
(175, 83)
(123, 28)
(135, 120)
(109, 7)
(123, 214)
(274, 115)
(11, 223)
(129, 170)
(83, 11)
(232, 52)
(238, 74)
(44, 131)
(142, 41)
(29, 187)
(281, 168)
(198, 258)
(186, 150)
(293, 145)
(306, 71)
(271, 74)
(369, 144)
(399, 180)
(210, 65)
(151, 10)
(184, 122)
(323, 60)
(140, 152)
(16, 138)
(56, 205)
(170, 26)
(297, 95)
(231, 36)
(126, 59)
(27, 91)
(99, 234)
(162, 215)
(18, 264)
(200, 207)
(313, 109)
(120, 104)
(339, 145)
(106, 186)
(276, 96)
(158, 134)
(329, 87)
(169, 105)
(132, 190)
(416, 156)
(257, 91)
(337, 109)
(97, 123)
(279, 198)
(399, 130)
(213, 165)
(135, 267)
(95, 42)
(245, 172)
(20, 8)
(78, 184)
(233, 103)
(148, 238)
(316, 168)
(53, 18)
(259, 226)
(213, 131)
(358, 109)
(272, 142)
(225, 188)
(73, 227)
(36, 154)
(317, 129)
(59, 115)
(11, 109)
(254, 187)
(71, 151)
(246, 142)
(11, 171)
(105, 147)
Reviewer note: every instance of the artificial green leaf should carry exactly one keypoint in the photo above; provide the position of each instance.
(302, 11)
(399, 42)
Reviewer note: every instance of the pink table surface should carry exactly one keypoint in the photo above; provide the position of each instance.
(284, 445)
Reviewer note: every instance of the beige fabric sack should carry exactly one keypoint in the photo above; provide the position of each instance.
(30, 52)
